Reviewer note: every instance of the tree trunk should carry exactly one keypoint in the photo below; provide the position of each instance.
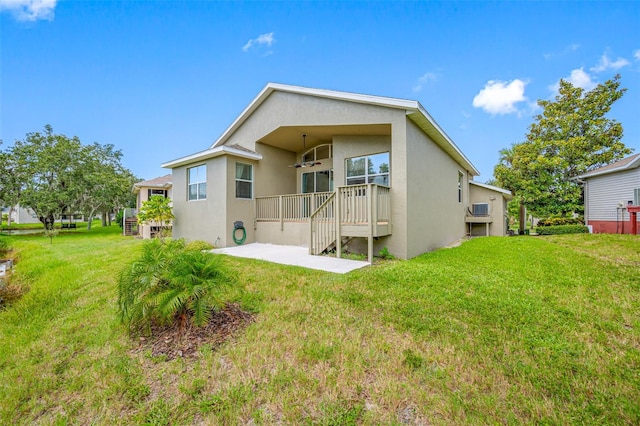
(47, 221)
(9, 216)
(104, 219)
(523, 219)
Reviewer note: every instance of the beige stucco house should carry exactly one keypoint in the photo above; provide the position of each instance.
(144, 190)
(326, 169)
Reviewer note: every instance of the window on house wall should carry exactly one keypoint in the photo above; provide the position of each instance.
(319, 152)
(244, 180)
(152, 192)
(321, 181)
(368, 169)
(197, 182)
(460, 181)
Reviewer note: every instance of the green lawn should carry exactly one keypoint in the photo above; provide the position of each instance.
(499, 330)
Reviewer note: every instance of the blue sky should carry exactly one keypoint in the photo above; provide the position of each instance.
(163, 79)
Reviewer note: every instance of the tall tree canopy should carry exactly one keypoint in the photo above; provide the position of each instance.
(571, 136)
(53, 174)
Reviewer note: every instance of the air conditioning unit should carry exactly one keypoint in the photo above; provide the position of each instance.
(480, 209)
(636, 197)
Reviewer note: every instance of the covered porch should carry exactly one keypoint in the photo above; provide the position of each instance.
(324, 221)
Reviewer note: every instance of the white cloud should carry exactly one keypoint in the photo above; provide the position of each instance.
(579, 78)
(263, 39)
(606, 64)
(30, 10)
(427, 77)
(636, 55)
(500, 97)
(568, 49)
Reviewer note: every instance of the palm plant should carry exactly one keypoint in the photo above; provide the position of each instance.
(171, 282)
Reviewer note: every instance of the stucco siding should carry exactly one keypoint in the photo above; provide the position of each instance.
(291, 109)
(239, 209)
(345, 147)
(273, 176)
(201, 219)
(435, 218)
(497, 210)
(604, 193)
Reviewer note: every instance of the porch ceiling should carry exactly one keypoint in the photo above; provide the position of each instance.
(290, 137)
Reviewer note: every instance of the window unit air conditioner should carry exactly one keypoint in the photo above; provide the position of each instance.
(480, 209)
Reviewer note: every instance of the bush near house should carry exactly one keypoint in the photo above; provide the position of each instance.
(562, 229)
(557, 221)
(171, 281)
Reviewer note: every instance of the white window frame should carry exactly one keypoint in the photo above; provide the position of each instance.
(366, 175)
(315, 181)
(201, 178)
(244, 180)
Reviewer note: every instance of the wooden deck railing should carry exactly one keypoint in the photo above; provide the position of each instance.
(289, 208)
(322, 225)
(362, 206)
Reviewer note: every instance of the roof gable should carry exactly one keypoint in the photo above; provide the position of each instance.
(413, 109)
(627, 163)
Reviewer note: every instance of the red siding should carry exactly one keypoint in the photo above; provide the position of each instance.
(610, 227)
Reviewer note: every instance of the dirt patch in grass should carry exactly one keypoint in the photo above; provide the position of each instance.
(170, 342)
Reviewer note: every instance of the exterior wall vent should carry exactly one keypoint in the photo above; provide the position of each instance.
(636, 197)
(480, 209)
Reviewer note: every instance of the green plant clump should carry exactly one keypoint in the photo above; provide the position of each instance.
(556, 221)
(199, 245)
(171, 281)
(562, 229)
(384, 254)
(4, 246)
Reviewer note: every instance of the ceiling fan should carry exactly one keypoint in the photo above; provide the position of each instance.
(305, 163)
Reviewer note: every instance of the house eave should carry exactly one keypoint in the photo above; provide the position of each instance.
(211, 153)
(505, 192)
(630, 165)
(423, 119)
(413, 109)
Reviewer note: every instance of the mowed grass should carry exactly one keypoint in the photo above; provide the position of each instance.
(499, 330)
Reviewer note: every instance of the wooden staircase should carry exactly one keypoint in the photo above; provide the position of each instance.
(350, 211)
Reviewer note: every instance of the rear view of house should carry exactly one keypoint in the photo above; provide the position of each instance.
(612, 196)
(330, 170)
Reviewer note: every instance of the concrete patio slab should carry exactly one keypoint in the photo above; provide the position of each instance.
(292, 255)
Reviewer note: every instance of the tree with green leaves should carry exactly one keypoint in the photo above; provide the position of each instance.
(48, 168)
(156, 209)
(570, 137)
(53, 174)
(107, 184)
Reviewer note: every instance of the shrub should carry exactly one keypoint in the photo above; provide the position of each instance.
(384, 254)
(169, 282)
(120, 218)
(4, 246)
(562, 229)
(199, 245)
(556, 221)
(9, 293)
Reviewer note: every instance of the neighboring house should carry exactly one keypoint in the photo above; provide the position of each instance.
(488, 214)
(297, 159)
(145, 190)
(22, 215)
(610, 194)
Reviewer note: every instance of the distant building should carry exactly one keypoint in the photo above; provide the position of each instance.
(610, 193)
(145, 190)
